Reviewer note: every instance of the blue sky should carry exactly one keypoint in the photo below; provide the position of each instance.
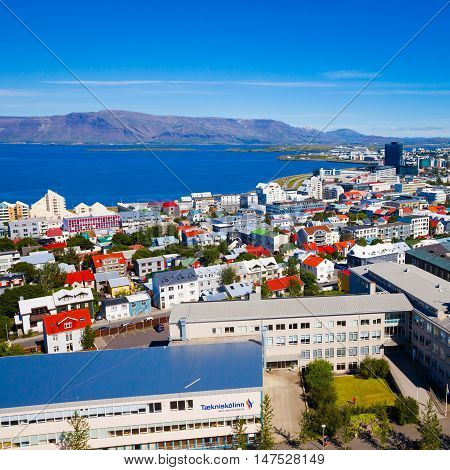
(296, 61)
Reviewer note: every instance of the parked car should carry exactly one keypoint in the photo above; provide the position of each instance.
(159, 328)
(99, 316)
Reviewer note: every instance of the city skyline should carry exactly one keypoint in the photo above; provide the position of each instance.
(300, 64)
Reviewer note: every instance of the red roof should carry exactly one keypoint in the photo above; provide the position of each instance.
(170, 204)
(98, 259)
(313, 261)
(55, 246)
(54, 232)
(282, 283)
(315, 228)
(80, 277)
(66, 321)
(258, 251)
(310, 246)
(325, 249)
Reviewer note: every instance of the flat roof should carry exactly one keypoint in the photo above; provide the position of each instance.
(297, 307)
(123, 373)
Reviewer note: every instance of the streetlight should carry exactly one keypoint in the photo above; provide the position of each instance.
(323, 426)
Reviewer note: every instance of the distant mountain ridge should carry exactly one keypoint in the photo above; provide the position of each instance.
(126, 127)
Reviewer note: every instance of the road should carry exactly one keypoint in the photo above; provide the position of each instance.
(38, 339)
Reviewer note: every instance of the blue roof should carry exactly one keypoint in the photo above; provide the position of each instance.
(84, 376)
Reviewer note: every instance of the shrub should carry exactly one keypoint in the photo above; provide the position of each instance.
(372, 367)
(406, 411)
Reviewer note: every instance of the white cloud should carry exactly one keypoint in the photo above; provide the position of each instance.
(10, 92)
(348, 74)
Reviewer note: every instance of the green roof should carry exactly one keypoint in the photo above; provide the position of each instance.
(263, 231)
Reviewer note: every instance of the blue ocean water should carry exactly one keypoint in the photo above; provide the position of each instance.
(88, 174)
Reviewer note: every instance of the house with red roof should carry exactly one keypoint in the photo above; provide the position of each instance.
(110, 262)
(280, 286)
(55, 233)
(63, 331)
(343, 247)
(318, 234)
(83, 278)
(322, 268)
(171, 208)
(258, 251)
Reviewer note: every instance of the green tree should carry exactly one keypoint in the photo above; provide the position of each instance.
(294, 289)
(26, 242)
(5, 326)
(171, 230)
(430, 429)
(6, 244)
(406, 410)
(142, 253)
(117, 248)
(69, 256)
(361, 242)
(266, 438)
(211, 255)
(9, 300)
(26, 268)
(228, 275)
(371, 367)
(81, 241)
(292, 268)
(310, 281)
(79, 437)
(223, 248)
(306, 431)
(13, 350)
(88, 338)
(121, 238)
(239, 434)
(376, 241)
(265, 291)
(319, 384)
(51, 276)
(245, 257)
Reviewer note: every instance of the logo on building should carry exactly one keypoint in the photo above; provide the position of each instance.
(249, 404)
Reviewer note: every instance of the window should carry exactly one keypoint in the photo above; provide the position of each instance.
(353, 336)
(341, 323)
(305, 339)
(376, 350)
(304, 326)
(377, 321)
(340, 352)
(67, 325)
(154, 407)
(365, 322)
(280, 327)
(269, 341)
(329, 352)
(293, 340)
(217, 331)
(305, 354)
(317, 353)
(280, 340)
(242, 329)
(376, 334)
(229, 329)
(340, 366)
(293, 326)
(364, 336)
(318, 325)
(353, 351)
(329, 338)
(181, 405)
(354, 323)
(55, 349)
(269, 327)
(330, 324)
(341, 337)
(317, 339)
(364, 350)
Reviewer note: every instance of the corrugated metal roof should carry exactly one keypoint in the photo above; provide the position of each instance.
(289, 308)
(122, 373)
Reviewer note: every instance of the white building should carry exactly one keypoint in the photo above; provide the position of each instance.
(7, 260)
(63, 331)
(175, 287)
(131, 405)
(312, 188)
(362, 255)
(270, 192)
(95, 209)
(49, 206)
(322, 268)
(343, 329)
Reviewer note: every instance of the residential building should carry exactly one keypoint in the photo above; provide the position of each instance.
(171, 208)
(139, 304)
(433, 195)
(119, 286)
(110, 262)
(32, 311)
(63, 331)
(319, 234)
(147, 266)
(96, 209)
(134, 221)
(82, 223)
(51, 205)
(10, 212)
(280, 286)
(269, 240)
(131, 407)
(11, 280)
(83, 278)
(387, 231)
(428, 324)
(35, 227)
(342, 329)
(101, 279)
(238, 290)
(269, 193)
(8, 259)
(174, 287)
(115, 309)
(435, 259)
(38, 259)
(420, 225)
(322, 268)
(312, 188)
(362, 255)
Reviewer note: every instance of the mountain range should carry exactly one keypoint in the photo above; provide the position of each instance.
(126, 127)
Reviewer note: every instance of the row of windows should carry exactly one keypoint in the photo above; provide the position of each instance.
(121, 431)
(339, 352)
(318, 339)
(52, 416)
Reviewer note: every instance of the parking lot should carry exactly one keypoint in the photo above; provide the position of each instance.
(134, 339)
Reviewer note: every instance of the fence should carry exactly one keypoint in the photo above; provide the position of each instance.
(139, 325)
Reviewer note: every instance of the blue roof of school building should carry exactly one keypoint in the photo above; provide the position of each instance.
(108, 374)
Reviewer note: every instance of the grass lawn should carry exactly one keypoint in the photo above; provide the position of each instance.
(366, 391)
